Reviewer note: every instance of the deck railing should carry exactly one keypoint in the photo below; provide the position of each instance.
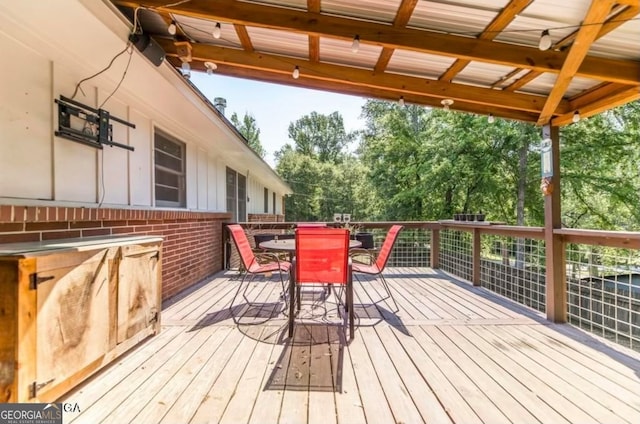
(602, 268)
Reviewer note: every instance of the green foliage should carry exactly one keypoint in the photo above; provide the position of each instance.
(248, 128)
(415, 163)
(600, 168)
(320, 136)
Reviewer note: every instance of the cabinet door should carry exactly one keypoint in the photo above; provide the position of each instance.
(73, 319)
(139, 293)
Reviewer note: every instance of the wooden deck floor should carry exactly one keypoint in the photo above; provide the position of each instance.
(451, 354)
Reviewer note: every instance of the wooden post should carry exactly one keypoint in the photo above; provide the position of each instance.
(475, 270)
(435, 248)
(556, 292)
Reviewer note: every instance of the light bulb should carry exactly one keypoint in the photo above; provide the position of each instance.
(491, 119)
(401, 101)
(576, 117)
(355, 46)
(210, 67)
(446, 103)
(186, 69)
(217, 31)
(296, 72)
(545, 40)
(172, 28)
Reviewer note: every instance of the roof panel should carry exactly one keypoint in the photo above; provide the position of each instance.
(295, 4)
(418, 64)
(201, 30)
(339, 51)
(561, 18)
(373, 10)
(579, 85)
(623, 43)
(483, 74)
(455, 18)
(279, 42)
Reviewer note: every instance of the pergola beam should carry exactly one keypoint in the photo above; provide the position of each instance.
(250, 14)
(598, 106)
(587, 34)
(405, 10)
(342, 87)
(499, 22)
(399, 84)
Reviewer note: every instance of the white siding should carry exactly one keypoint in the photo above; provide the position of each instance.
(25, 123)
(202, 179)
(47, 62)
(141, 160)
(74, 165)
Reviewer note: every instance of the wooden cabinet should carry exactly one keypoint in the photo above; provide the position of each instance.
(69, 307)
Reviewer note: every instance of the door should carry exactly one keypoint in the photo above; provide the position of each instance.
(73, 322)
(139, 292)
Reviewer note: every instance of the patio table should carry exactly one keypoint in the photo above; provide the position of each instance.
(289, 245)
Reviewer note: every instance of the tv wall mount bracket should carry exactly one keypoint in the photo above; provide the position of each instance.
(84, 124)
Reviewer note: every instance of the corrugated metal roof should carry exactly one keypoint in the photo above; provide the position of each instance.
(418, 64)
(374, 10)
(483, 74)
(286, 35)
(451, 18)
(339, 51)
(279, 42)
(201, 30)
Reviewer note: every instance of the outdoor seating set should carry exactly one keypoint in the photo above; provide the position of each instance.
(319, 255)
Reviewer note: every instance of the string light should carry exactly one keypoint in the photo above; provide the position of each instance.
(217, 31)
(491, 119)
(446, 103)
(545, 40)
(355, 46)
(296, 72)
(401, 101)
(576, 117)
(172, 28)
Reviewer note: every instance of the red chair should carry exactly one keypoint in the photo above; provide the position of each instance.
(322, 257)
(377, 267)
(311, 225)
(255, 263)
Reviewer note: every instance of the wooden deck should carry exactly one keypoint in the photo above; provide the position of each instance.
(451, 354)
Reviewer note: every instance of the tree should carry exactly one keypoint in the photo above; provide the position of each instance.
(320, 136)
(429, 163)
(250, 131)
(325, 179)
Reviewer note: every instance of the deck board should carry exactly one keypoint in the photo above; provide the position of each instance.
(452, 353)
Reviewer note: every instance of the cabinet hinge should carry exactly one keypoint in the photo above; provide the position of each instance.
(35, 280)
(35, 387)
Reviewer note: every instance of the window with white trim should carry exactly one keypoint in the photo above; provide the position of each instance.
(170, 167)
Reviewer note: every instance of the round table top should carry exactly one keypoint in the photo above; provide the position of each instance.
(289, 245)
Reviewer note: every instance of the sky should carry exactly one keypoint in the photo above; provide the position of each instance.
(275, 106)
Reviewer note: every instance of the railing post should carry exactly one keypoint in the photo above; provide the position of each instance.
(476, 257)
(435, 248)
(556, 281)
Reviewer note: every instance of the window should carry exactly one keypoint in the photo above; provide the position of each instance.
(274, 202)
(169, 157)
(236, 195)
(266, 200)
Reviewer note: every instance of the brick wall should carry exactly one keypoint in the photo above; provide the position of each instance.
(264, 217)
(192, 247)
